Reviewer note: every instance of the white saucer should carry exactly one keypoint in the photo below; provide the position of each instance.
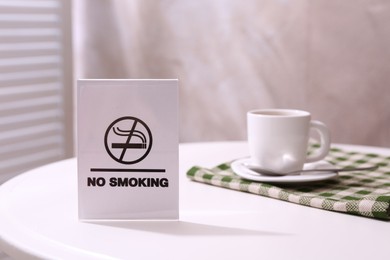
(241, 170)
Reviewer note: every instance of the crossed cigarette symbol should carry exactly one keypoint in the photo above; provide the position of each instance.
(135, 139)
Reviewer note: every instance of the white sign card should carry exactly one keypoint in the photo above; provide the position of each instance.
(128, 149)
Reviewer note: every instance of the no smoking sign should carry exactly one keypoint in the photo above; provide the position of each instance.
(128, 149)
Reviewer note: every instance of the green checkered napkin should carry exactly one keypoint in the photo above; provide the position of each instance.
(361, 193)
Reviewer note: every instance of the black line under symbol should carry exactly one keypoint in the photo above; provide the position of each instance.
(128, 140)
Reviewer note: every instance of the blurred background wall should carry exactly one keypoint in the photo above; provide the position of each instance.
(329, 57)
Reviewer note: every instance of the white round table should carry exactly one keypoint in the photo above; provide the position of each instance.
(38, 219)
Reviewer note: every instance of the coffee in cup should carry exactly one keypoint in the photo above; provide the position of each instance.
(278, 139)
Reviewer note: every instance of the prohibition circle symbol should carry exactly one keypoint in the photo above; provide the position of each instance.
(128, 140)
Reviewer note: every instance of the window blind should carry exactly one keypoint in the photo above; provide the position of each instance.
(35, 84)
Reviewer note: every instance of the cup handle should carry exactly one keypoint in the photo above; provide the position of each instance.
(324, 133)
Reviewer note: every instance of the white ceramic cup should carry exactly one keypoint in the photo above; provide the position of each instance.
(278, 139)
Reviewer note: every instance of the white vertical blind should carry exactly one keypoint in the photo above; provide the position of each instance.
(35, 84)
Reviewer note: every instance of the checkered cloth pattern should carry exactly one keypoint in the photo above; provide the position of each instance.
(360, 193)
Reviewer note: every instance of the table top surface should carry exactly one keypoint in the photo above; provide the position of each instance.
(38, 218)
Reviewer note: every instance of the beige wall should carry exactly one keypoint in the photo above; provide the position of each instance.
(326, 56)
